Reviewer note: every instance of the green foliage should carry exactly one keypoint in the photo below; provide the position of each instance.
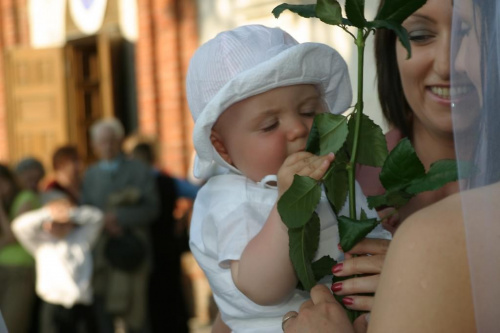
(329, 11)
(332, 130)
(296, 206)
(401, 167)
(354, 140)
(397, 11)
(306, 11)
(352, 231)
(303, 245)
(403, 176)
(336, 182)
(401, 32)
(321, 267)
(355, 11)
(372, 149)
(440, 173)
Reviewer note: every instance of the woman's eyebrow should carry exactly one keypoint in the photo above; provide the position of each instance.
(418, 17)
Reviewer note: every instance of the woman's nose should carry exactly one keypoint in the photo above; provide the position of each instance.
(442, 58)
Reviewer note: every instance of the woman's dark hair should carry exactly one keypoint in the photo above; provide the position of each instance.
(64, 154)
(392, 99)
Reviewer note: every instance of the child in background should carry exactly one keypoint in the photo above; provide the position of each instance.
(60, 237)
(253, 93)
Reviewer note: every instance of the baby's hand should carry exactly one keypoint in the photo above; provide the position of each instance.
(302, 164)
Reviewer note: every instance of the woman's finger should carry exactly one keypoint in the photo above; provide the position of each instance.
(371, 246)
(288, 319)
(357, 285)
(359, 265)
(321, 294)
(307, 304)
(358, 303)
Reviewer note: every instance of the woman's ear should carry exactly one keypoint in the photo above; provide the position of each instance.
(219, 146)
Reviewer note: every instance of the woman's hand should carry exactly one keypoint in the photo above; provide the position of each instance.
(320, 314)
(368, 262)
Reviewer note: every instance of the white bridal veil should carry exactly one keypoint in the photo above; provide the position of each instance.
(476, 121)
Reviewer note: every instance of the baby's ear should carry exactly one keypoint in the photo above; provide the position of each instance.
(219, 146)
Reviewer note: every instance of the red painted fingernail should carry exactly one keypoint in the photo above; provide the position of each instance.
(348, 301)
(337, 286)
(337, 268)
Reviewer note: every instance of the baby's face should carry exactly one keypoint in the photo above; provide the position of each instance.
(257, 134)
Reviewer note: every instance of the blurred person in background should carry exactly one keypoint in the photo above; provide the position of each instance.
(125, 191)
(60, 236)
(165, 293)
(67, 173)
(30, 173)
(17, 270)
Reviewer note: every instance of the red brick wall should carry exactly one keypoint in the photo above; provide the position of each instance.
(167, 39)
(14, 31)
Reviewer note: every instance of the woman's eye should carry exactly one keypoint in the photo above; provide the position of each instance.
(420, 36)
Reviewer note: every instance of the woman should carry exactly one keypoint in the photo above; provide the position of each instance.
(443, 250)
(17, 272)
(415, 96)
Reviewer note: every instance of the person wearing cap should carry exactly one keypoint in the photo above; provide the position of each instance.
(253, 93)
(60, 237)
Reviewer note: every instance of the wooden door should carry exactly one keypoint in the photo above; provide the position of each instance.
(90, 88)
(36, 103)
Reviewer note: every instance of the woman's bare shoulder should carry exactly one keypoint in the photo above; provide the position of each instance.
(425, 284)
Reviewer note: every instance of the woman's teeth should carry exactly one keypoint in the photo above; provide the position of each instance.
(448, 92)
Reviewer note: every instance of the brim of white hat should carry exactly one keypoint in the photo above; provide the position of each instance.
(306, 63)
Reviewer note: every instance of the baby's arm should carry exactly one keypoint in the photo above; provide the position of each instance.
(264, 272)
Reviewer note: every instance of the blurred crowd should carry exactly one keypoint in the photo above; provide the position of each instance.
(97, 248)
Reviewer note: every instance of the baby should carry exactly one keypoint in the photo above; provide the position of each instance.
(253, 93)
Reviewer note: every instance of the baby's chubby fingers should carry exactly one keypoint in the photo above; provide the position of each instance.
(314, 166)
(302, 164)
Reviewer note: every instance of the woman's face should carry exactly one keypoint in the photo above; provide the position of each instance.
(468, 58)
(425, 77)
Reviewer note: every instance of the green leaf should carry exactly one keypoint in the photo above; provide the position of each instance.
(336, 183)
(363, 215)
(352, 231)
(312, 144)
(332, 130)
(303, 245)
(439, 174)
(306, 11)
(400, 31)
(392, 198)
(323, 267)
(398, 10)
(329, 11)
(355, 11)
(372, 146)
(298, 203)
(401, 167)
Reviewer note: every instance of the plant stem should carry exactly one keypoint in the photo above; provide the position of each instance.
(360, 43)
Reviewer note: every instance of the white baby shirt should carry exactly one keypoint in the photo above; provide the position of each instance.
(229, 211)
